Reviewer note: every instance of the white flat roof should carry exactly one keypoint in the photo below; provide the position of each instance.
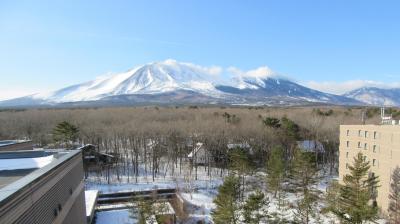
(90, 200)
(25, 163)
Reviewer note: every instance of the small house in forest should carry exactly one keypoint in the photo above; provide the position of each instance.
(311, 146)
(199, 154)
(91, 155)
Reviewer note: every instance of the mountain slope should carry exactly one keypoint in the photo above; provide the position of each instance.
(278, 87)
(176, 82)
(376, 96)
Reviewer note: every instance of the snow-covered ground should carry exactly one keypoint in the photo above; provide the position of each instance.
(199, 194)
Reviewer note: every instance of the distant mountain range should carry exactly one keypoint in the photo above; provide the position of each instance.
(376, 96)
(172, 82)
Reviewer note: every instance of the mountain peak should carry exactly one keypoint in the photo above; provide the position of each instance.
(170, 78)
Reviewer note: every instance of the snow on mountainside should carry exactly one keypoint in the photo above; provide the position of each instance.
(152, 78)
(376, 96)
(177, 82)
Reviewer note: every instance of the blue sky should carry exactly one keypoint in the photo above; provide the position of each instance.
(328, 45)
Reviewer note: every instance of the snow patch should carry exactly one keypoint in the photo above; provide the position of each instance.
(25, 163)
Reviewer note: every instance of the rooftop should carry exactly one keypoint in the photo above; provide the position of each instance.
(11, 142)
(20, 168)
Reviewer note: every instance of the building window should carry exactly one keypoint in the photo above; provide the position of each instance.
(365, 146)
(375, 135)
(348, 144)
(347, 166)
(347, 154)
(374, 162)
(359, 133)
(348, 133)
(374, 148)
(359, 144)
(366, 134)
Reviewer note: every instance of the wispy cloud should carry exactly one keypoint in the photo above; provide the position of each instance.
(260, 72)
(346, 86)
(7, 93)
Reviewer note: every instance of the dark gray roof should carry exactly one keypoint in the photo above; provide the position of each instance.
(9, 176)
(12, 142)
(12, 181)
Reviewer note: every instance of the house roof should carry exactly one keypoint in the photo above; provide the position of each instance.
(238, 145)
(199, 145)
(311, 146)
(12, 142)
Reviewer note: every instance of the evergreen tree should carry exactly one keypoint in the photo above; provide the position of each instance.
(304, 178)
(254, 208)
(356, 204)
(145, 211)
(332, 196)
(394, 205)
(272, 122)
(65, 133)
(227, 202)
(275, 170)
(151, 210)
(290, 128)
(240, 164)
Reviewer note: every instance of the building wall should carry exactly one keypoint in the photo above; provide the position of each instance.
(17, 146)
(58, 197)
(381, 146)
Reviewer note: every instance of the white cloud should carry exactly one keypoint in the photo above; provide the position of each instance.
(210, 70)
(7, 93)
(346, 86)
(213, 70)
(261, 72)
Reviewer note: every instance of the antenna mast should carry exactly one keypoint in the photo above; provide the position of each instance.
(363, 117)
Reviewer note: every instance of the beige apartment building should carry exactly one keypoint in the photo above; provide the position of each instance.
(381, 146)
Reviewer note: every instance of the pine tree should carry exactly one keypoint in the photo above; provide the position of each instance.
(65, 132)
(356, 204)
(254, 208)
(275, 170)
(394, 204)
(227, 202)
(272, 122)
(145, 211)
(332, 196)
(290, 128)
(240, 164)
(304, 177)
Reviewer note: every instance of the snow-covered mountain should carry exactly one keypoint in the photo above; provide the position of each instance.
(376, 96)
(176, 82)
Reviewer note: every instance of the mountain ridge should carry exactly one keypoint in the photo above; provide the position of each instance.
(376, 96)
(179, 82)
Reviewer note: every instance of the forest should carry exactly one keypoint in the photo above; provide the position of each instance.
(151, 144)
